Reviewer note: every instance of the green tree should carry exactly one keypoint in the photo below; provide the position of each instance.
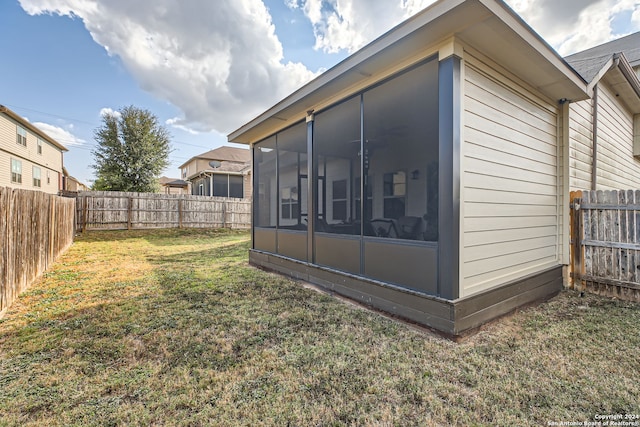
(133, 150)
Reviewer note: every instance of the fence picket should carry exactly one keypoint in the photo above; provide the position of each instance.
(608, 233)
(122, 210)
(35, 228)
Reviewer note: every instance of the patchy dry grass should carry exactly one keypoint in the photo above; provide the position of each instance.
(174, 328)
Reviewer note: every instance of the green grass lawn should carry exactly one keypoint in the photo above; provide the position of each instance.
(174, 328)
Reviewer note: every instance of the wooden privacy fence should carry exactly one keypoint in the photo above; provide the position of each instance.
(605, 242)
(35, 228)
(110, 210)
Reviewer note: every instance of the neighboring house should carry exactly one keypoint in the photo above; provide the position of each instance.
(70, 183)
(426, 174)
(173, 185)
(223, 172)
(29, 158)
(611, 117)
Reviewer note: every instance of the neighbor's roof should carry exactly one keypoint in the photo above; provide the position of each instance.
(229, 154)
(164, 180)
(172, 182)
(488, 26)
(613, 62)
(23, 122)
(232, 168)
(589, 62)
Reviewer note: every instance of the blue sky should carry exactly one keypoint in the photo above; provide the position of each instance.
(203, 67)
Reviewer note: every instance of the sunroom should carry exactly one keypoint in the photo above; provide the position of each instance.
(376, 180)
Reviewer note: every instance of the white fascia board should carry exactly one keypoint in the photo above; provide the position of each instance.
(519, 26)
(350, 64)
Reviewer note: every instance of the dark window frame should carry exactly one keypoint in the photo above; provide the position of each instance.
(226, 178)
(291, 203)
(339, 201)
(391, 200)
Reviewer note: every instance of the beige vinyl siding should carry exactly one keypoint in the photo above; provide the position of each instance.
(617, 168)
(5, 169)
(580, 146)
(8, 135)
(49, 161)
(201, 165)
(189, 169)
(248, 185)
(510, 185)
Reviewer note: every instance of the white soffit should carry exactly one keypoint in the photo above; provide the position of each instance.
(623, 89)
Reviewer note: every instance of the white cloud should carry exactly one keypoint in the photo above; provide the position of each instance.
(574, 25)
(106, 111)
(63, 136)
(350, 24)
(567, 25)
(219, 62)
(175, 122)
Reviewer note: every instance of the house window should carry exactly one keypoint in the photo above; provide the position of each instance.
(48, 177)
(37, 182)
(289, 203)
(39, 148)
(339, 188)
(368, 208)
(21, 135)
(236, 186)
(228, 186)
(395, 190)
(221, 185)
(16, 171)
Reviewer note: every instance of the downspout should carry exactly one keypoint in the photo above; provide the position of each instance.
(594, 163)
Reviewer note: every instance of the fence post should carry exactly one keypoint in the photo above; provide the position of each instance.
(576, 240)
(51, 232)
(180, 213)
(129, 213)
(85, 213)
(224, 214)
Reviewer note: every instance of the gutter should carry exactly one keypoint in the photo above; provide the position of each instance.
(209, 172)
(627, 71)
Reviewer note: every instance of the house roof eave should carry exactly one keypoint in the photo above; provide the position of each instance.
(32, 128)
(208, 172)
(486, 25)
(624, 81)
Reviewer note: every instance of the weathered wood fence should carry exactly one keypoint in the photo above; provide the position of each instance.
(35, 228)
(108, 210)
(605, 242)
